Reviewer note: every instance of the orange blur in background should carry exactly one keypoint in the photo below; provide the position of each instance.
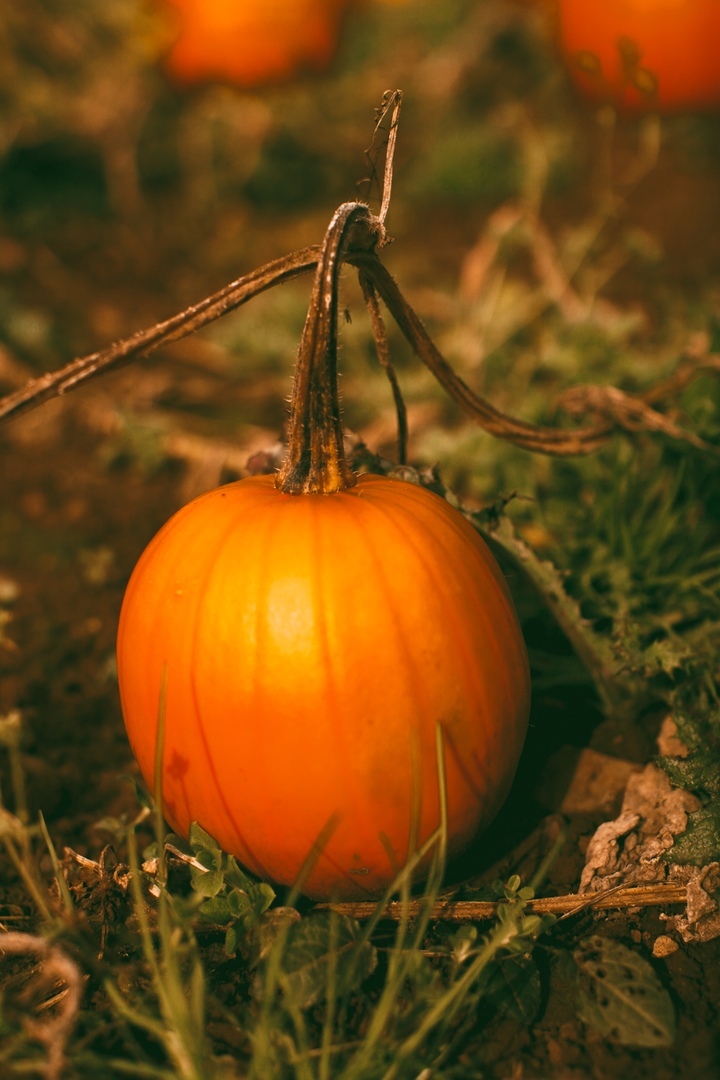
(643, 55)
(251, 42)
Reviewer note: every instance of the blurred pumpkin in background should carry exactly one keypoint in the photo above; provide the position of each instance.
(251, 42)
(643, 55)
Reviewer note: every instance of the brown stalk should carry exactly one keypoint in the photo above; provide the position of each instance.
(383, 354)
(562, 906)
(77, 372)
(391, 103)
(632, 414)
(531, 436)
(315, 461)
(534, 437)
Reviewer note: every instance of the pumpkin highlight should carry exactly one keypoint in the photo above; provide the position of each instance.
(310, 645)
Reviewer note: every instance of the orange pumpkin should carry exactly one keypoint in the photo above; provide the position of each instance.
(643, 54)
(312, 643)
(251, 42)
(311, 633)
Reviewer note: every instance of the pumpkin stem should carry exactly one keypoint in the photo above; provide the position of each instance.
(315, 461)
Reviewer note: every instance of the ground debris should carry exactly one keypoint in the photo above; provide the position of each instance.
(57, 975)
(701, 920)
(664, 945)
(630, 850)
(668, 742)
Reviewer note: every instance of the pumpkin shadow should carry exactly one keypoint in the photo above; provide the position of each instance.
(562, 717)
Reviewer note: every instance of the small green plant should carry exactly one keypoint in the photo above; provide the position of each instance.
(230, 898)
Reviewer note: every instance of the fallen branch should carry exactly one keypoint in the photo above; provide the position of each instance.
(563, 906)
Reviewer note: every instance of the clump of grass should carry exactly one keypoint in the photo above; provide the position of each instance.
(315, 994)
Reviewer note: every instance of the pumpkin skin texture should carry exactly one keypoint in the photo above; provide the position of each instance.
(252, 42)
(311, 644)
(670, 50)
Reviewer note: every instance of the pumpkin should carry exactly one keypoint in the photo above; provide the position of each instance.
(643, 54)
(251, 42)
(305, 638)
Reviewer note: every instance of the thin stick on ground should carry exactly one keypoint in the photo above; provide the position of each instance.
(620, 898)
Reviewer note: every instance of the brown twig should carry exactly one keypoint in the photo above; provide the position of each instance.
(530, 436)
(563, 906)
(315, 461)
(632, 414)
(383, 354)
(232, 296)
(391, 103)
(535, 437)
(690, 368)
(636, 413)
(56, 967)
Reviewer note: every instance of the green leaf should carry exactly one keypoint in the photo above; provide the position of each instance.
(666, 656)
(512, 987)
(206, 882)
(217, 909)
(531, 926)
(202, 841)
(700, 843)
(699, 772)
(513, 884)
(231, 940)
(697, 716)
(320, 949)
(239, 903)
(237, 906)
(261, 897)
(463, 941)
(235, 876)
(621, 996)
